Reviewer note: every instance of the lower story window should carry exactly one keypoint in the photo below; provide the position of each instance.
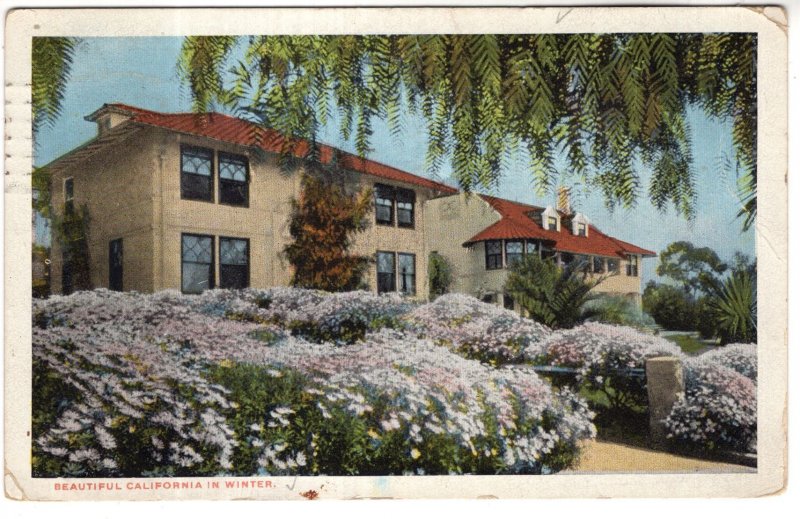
(513, 252)
(408, 278)
(386, 272)
(494, 254)
(598, 265)
(197, 263)
(508, 302)
(234, 263)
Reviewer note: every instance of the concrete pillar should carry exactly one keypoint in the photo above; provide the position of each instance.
(664, 388)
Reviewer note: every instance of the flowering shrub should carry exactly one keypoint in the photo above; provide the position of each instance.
(478, 330)
(720, 406)
(603, 354)
(166, 384)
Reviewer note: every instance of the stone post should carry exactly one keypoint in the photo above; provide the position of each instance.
(664, 388)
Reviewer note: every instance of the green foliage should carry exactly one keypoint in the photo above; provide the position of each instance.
(696, 268)
(734, 309)
(323, 225)
(51, 64)
(440, 275)
(672, 308)
(551, 295)
(71, 229)
(613, 309)
(603, 98)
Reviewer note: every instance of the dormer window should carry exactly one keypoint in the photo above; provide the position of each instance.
(581, 230)
(552, 223)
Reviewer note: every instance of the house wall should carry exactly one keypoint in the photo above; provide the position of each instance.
(113, 185)
(266, 221)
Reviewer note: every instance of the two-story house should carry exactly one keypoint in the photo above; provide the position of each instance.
(196, 201)
(481, 236)
(199, 201)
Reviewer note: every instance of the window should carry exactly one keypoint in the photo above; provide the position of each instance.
(548, 254)
(405, 207)
(233, 180)
(197, 263)
(552, 223)
(508, 302)
(196, 180)
(384, 204)
(489, 298)
(115, 264)
(408, 283)
(386, 272)
(513, 252)
(598, 265)
(69, 195)
(67, 283)
(531, 247)
(581, 229)
(234, 263)
(567, 258)
(494, 254)
(613, 265)
(632, 268)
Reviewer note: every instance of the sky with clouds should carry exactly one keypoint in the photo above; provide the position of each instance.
(141, 71)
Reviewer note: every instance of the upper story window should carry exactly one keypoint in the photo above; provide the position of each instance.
(513, 252)
(386, 272)
(581, 229)
(632, 268)
(234, 263)
(552, 223)
(384, 204)
(197, 182)
(494, 254)
(233, 179)
(405, 207)
(69, 195)
(612, 265)
(408, 276)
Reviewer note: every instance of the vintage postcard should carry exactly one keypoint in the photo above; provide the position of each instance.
(395, 252)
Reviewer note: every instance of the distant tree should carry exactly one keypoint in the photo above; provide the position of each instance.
(697, 269)
(324, 222)
(440, 275)
(672, 308)
(550, 294)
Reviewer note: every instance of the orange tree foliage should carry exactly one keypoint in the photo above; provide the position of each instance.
(324, 222)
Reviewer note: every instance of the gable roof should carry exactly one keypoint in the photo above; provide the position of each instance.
(233, 130)
(516, 223)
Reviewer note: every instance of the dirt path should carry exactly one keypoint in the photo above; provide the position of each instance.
(603, 457)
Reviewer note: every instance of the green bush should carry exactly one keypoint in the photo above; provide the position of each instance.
(671, 307)
(618, 310)
(440, 275)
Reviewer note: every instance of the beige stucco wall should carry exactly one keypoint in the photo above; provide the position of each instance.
(115, 187)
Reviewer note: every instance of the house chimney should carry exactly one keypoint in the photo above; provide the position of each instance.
(562, 205)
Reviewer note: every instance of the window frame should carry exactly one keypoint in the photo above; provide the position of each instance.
(552, 223)
(378, 272)
(213, 279)
(69, 195)
(602, 269)
(219, 247)
(521, 254)
(111, 262)
(198, 149)
(632, 266)
(581, 229)
(221, 155)
(401, 276)
(383, 189)
(499, 264)
(405, 196)
(616, 269)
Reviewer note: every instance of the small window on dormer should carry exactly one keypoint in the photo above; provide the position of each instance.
(581, 229)
(552, 223)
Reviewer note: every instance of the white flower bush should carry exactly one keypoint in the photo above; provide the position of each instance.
(166, 384)
(719, 410)
(478, 330)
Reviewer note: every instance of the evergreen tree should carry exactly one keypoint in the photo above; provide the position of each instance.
(324, 222)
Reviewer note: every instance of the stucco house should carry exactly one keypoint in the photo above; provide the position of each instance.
(195, 201)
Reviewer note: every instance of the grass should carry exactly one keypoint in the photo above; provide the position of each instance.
(688, 343)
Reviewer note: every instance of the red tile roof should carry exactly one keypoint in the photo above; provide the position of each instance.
(516, 223)
(238, 131)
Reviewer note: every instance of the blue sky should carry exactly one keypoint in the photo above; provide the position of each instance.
(142, 72)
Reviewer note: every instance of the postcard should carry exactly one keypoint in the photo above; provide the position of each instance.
(341, 253)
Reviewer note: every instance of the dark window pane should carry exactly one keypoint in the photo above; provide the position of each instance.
(115, 264)
(552, 223)
(508, 302)
(386, 272)
(633, 266)
(233, 276)
(488, 298)
(407, 274)
(405, 207)
(196, 187)
(494, 254)
(196, 180)
(548, 254)
(598, 265)
(384, 204)
(581, 229)
(567, 258)
(234, 268)
(613, 265)
(513, 252)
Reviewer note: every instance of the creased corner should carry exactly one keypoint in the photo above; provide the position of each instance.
(12, 487)
(773, 13)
